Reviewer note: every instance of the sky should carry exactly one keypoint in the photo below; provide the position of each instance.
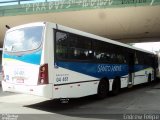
(150, 46)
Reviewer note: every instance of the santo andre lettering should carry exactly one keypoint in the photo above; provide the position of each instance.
(109, 68)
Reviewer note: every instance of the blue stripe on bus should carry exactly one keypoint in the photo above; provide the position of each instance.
(99, 70)
(32, 58)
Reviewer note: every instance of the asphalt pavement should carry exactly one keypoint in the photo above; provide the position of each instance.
(139, 102)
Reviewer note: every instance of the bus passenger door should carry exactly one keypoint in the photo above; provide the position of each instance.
(130, 69)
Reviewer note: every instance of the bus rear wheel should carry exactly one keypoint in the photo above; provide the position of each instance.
(116, 86)
(149, 79)
(103, 89)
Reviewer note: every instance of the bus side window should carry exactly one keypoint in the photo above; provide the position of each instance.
(61, 45)
(101, 51)
(81, 46)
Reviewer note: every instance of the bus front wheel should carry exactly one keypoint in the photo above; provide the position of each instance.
(103, 89)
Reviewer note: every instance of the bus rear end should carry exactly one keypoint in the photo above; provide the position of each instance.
(24, 70)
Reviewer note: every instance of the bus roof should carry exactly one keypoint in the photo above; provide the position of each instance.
(75, 31)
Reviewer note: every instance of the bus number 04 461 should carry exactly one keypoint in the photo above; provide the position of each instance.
(61, 79)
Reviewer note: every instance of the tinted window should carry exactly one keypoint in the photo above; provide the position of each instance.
(109, 53)
(70, 46)
(61, 45)
(75, 47)
(79, 47)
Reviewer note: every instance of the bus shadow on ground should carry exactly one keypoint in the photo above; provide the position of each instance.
(74, 107)
(57, 106)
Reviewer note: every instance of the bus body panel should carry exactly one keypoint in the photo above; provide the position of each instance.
(68, 73)
(18, 70)
(142, 76)
(21, 72)
(48, 50)
(71, 84)
(39, 90)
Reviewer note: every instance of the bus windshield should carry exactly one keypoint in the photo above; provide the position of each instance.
(23, 39)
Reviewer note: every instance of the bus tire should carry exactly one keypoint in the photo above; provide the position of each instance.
(149, 79)
(116, 86)
(103, 89)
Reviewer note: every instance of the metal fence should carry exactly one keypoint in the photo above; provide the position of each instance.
(18, 2)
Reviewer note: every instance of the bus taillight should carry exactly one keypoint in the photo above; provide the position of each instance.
(43, 74)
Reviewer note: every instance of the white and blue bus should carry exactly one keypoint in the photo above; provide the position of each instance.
(54, 61)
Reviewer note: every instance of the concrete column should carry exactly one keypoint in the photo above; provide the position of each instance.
(19, 2)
